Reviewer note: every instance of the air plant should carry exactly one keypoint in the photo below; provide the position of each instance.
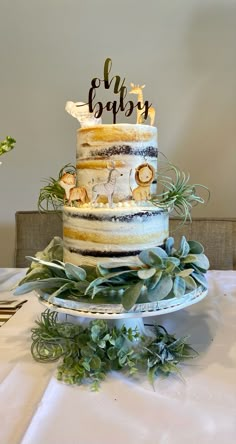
(176, 193)
(51, 196)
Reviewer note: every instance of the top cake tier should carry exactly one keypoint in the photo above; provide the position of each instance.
(121, 147)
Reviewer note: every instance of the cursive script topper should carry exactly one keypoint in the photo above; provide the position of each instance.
(96, 108)
(120, 89)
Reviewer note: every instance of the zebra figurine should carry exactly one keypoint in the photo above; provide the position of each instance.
(106, 188)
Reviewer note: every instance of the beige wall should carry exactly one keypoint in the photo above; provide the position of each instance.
(184, 50)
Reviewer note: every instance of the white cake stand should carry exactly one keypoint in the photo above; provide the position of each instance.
(116, 314)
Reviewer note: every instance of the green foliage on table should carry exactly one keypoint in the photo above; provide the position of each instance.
(87, 354)
(51, 196)
(7, 145)
(176, 193)
(162, 273)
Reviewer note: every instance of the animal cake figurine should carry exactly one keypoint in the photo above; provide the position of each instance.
(80, 111)
(144, 176)
(106, 188)
(136, 89)
(73, 193)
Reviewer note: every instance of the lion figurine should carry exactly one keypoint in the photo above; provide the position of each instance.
(73, 193)
(144, 176)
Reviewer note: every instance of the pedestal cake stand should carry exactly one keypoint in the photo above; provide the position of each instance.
(116, 314)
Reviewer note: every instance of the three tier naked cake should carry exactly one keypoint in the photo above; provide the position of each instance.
(117, 253)
(109, 215)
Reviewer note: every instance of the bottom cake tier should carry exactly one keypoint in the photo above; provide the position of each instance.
(93, 235)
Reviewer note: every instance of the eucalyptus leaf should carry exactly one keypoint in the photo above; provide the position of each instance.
(112, 353)
(88, 353)
(95, 363)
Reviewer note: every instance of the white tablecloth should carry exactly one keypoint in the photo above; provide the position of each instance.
(200, 408)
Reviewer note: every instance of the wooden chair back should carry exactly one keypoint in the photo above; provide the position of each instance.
(34, 231)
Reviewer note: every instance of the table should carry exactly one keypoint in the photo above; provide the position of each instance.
(199, 408)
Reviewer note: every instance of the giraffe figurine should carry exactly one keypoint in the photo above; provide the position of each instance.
(136, 89)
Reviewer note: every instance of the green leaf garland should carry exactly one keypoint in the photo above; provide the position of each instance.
(162, 273)
(87, 354)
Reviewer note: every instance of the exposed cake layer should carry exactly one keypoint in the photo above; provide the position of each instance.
(123, 146)
(94, 235)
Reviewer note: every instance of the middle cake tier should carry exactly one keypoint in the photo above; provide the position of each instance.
(93, 235)
(121, 147)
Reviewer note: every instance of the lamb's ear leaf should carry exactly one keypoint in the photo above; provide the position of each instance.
(59, 266)
(190, 283)
(190, 258)
(186, 272)
(161, 290)
(44, 284)
(179, 286)
(152, 256)
(108, 267)
(154, 280)
(200, 278)
(169, 243)
(131, 295)
(183, 248)
(75, 272)
(195, 247)
(202, 261)
(146, 273)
